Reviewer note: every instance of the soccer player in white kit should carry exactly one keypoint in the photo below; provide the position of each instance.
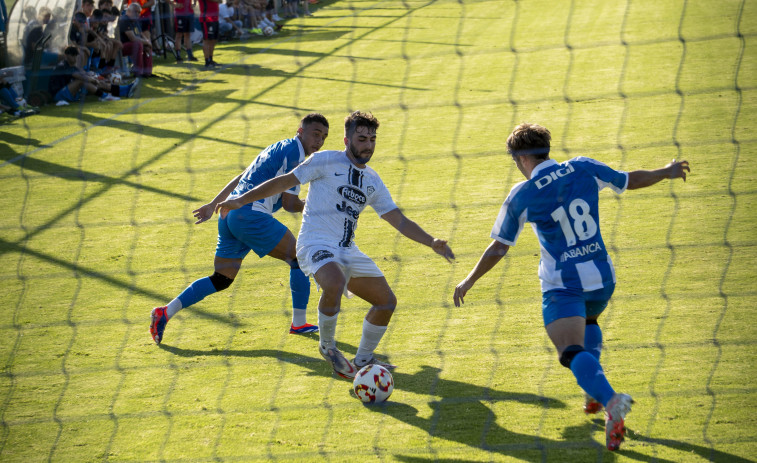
(341, 186)
(561, 201)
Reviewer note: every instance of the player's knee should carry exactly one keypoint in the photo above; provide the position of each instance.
(391, 302)
(591, 322)
(293, 264)
(568, 354)
(220, 282)
(334, 287)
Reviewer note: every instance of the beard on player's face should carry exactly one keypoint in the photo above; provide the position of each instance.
(361, 157)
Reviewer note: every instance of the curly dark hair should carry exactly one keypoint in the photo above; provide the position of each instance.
(359, 119)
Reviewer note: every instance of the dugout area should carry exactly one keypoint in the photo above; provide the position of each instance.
(37, 46)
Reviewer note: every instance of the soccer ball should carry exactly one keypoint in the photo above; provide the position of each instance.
(373, 384)
(115, 78)
(268, 31)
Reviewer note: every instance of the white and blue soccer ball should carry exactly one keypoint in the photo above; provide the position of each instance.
(373, 384)
(268, 31)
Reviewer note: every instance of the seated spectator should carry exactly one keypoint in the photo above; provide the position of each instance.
(135, 45)
(259, 19)
(84, 39)
(145, 17)
(110, 13)
(15, 105)
(69, 84)
(35, 29)
(110, 46)
(227, 25)
(58, 28)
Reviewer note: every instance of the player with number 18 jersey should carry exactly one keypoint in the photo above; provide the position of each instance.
(561, 203)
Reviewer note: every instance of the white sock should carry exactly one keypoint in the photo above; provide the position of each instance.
(173, 307)
(372, 335)
(327, 329)
(299, 317)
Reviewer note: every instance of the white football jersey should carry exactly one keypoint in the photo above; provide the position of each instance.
(337, 195)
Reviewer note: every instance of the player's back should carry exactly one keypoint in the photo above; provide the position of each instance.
(277, 159)
(563, 206)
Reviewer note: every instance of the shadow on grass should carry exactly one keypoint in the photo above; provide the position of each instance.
(463, 415)
(68, 173)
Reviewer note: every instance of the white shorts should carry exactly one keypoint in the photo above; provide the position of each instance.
(352, 261)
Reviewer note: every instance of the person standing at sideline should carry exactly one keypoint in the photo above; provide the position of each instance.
(209, 21)
(254, 228)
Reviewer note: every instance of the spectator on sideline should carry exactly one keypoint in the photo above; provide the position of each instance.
(259, 19)
(183, 20)
(576, 273)
(226, 21)
(84, 39)
(341, 187)
(58, 28)
(112, 46)
(209, 21)
(135, 44)
(38, 24)
(68, 83)
(145, 18)
(254, 228)
(16, 105)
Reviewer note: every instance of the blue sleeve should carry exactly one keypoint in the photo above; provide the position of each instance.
(604, 175)
(511, 218)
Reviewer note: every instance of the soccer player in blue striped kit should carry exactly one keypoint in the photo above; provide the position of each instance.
(561, 201)
(254, 228)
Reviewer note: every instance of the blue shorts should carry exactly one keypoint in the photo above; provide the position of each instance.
(241, 231)
(65, 94)
(564, 303)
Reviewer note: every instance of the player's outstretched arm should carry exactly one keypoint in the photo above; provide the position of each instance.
(268, 188)
(413, 231)
(493, 254)
(644, 178)
(205, 212)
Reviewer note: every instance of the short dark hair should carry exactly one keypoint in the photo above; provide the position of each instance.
(314, 117)
(80, 17)
(529, 140)
(359, 119)
(97, 14)
(71, 51)
(87, 2)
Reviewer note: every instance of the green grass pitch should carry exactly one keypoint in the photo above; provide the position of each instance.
(97, 229)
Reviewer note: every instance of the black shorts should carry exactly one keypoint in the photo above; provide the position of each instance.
(145, 24)
(183, 22)
(210, 30)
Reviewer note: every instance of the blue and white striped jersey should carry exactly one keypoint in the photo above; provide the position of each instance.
(561, 203)
(277, 159)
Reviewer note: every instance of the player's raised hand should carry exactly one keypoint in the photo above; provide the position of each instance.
(440, 247)
(678, 169)
(460, 291)
(203, 213)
